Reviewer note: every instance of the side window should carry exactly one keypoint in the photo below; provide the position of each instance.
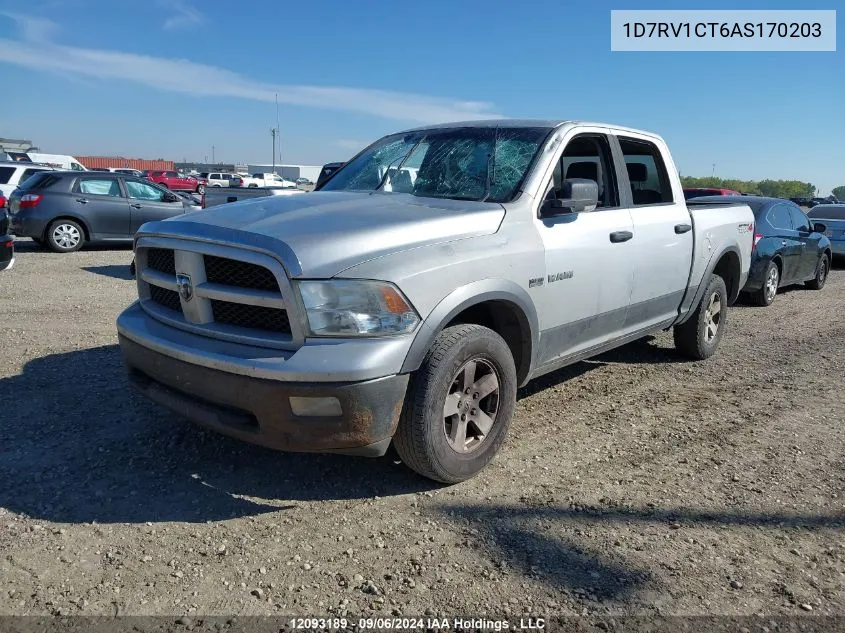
(6, 174)
(588, 156)
(778, 217)
(98, 187)
(799, 220)
(143, 191)
(647, 173)
(171, 174)
(27, 173)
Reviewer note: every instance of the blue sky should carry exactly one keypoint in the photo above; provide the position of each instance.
(171, 78)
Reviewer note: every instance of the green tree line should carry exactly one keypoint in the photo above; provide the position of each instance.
(839, 192)
(770, 188)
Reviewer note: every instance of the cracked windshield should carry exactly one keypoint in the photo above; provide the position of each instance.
(482, 164)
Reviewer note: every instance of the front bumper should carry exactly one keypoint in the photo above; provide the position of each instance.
(255, 406)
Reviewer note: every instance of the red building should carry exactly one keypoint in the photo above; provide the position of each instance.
(104, 162)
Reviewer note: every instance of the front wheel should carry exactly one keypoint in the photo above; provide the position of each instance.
(822, 269)
(699, 336)
(459, 406)
(65, 236)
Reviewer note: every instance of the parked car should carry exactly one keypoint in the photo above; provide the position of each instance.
(12, 174)
(303, 182)
(261, 180)
(7, 242)
(789, 248)
(217, 179)
(833, 218)
(65, 209)
(126, 170)
(698, 192)
(343, 321)
(176, 181)
(326, 172)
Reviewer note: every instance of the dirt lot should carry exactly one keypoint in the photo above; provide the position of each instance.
(636, 483)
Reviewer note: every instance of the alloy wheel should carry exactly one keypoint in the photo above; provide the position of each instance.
(712, 317)
(472, 403)
(66, 235)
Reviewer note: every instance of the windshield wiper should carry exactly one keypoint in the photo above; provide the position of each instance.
(399, 166)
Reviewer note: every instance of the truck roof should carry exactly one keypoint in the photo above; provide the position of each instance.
(542, 123)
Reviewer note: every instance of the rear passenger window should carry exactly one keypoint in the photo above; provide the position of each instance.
(98, 187)
(6, 174)
(29, 172)
(778, 217)
(647, 173)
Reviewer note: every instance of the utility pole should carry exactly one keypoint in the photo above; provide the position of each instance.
(713, 175)
(212, 153)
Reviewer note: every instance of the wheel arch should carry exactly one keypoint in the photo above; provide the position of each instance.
(498, 304)
(727, 262)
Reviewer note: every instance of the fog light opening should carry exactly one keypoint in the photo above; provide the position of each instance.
(315, 407)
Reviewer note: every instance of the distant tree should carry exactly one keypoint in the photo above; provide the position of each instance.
(839, 192)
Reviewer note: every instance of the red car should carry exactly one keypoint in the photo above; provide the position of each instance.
(697, 192)
(173, 180)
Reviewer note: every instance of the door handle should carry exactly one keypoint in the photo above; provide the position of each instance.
(82, 200)
(136, 206)
(682, 228)
(620, 236)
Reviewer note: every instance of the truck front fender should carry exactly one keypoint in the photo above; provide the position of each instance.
(499, 294)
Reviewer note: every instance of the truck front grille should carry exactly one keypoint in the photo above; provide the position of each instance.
(166, 298)
(162, 260)
(253, 317)
(222, 297)
(231, 272)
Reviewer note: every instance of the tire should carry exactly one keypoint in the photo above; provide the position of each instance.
(458, 353)
(252, 186)
(65, 236)
(200, 189)
(771, 280)
(699, 336)
(822, 271)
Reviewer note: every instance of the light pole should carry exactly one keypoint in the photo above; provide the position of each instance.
(212, 154)
(713, 175)
(273, 132)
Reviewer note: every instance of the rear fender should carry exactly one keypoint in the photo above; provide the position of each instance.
(694, 295)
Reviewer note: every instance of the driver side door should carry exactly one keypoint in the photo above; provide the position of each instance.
(148, 203)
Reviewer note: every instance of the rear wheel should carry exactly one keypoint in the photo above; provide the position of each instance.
(200, 189)
(163, 184)
(771, 280)
(699, 336)
(459, 405)
(65, 236)
(822, 270)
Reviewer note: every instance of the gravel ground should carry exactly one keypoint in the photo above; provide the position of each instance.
(636, 483)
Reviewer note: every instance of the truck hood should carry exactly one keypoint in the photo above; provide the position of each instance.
(320, 234)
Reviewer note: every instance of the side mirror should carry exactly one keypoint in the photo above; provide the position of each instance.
(171, 197)
(577, 194)
(818, 227)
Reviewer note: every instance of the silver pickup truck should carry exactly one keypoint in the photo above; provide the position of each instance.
(409, 297)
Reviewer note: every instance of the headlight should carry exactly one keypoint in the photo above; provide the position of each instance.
(352, 307)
